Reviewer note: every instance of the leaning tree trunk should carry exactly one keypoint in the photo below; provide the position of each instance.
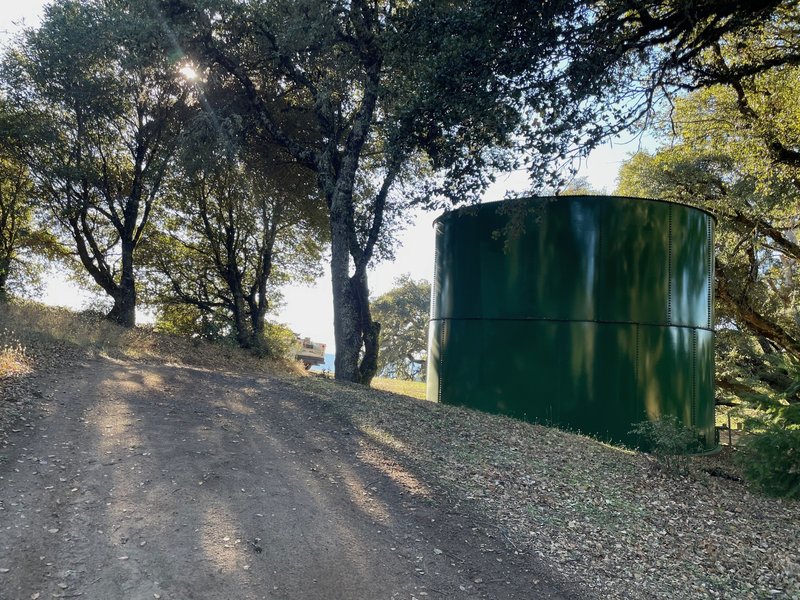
(755, 322)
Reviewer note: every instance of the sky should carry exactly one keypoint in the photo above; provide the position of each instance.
(308, 310)
(12, 12)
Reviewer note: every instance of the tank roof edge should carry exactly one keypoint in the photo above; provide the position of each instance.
(466, 208)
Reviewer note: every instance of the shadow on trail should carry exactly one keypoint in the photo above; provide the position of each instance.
(175, 482)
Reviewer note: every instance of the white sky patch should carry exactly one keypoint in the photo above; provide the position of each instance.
(15, 14)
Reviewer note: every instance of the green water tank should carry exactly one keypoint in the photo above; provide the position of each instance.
(597, 316)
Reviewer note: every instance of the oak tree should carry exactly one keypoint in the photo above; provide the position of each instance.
(464, 88)
(239, 223)
(404, 312)
(97, 82)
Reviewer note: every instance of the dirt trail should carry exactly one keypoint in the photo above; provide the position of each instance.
(139, 482)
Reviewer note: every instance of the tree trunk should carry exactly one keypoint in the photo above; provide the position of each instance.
(346, 318)
(352, 321)
(257, 300)
(370, 330)
(5, 268)
(257, 324)
(243, 335)
(124, 309)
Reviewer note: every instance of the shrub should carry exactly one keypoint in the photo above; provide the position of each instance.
(670, 442)
(281, 342)
(770, 459)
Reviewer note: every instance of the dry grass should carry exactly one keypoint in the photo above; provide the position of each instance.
(15, 364)
(40, 330)
(414, 389)
(13, 359)
(36, 339)
(603, 516)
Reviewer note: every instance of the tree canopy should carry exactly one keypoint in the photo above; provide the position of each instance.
(403, 313)
(153, 188)
(99, 94)
(724, 160)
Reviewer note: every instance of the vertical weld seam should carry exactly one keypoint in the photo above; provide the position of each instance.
(435, 292)
(695, 416)
(669, 269)
(598, 306)
(636, 363)
(441, 359)
(436, 277)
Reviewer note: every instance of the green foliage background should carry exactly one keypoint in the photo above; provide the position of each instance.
(403, 313)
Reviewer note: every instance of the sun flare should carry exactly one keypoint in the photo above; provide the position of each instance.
(189, 73)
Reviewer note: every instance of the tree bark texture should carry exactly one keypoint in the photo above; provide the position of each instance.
(346, 320)
(5, 267)
(370, 330)
(124, 310)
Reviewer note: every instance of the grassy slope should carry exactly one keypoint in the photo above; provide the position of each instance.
(601, 515)
(414, 389)
(604, 516)
(35, 338)
(37, 328)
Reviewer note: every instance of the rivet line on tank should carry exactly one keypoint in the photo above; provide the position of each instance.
(441, 360)
(669, 267)
(710, 236)
(636, 362)
(695, 416)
